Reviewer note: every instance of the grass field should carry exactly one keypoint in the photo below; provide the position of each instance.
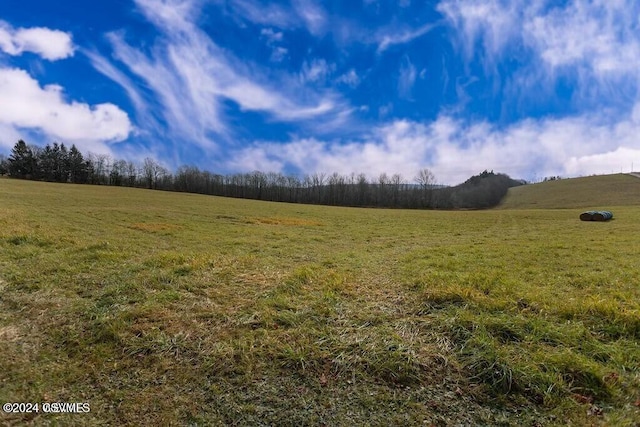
(590, 192)
(177, 309)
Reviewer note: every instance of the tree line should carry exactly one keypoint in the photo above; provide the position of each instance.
(57, 163)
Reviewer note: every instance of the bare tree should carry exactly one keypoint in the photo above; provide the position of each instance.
(425, 178)
(118, 172)
(100, 166)
(397, 184)
(132, 173)
(317, 182)
(427, 181)
(383, 183)
(152, 172)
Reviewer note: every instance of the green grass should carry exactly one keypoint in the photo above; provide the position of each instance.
(591, 192)
(164, 308)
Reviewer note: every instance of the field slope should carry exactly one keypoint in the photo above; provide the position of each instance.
(591, 192)
(177, 309)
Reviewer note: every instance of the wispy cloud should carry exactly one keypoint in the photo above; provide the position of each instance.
(271, 35)
(389, 37)
(278, 54)
(49, 44)
(406, 78)
(271, 14)
(105, 67)
(316, 71)
(273, 41)
(492, 23)
(600, 36)
(192, 77)
(185, 110)
(312, 14)
(350, 78)
(590, 47)
(299, 14)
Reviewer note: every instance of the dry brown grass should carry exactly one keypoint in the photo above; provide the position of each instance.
(153, 227)
(286, 221)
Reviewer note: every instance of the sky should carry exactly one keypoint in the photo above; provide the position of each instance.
(531, 88)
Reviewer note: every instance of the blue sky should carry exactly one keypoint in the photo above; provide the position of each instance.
(531, 88)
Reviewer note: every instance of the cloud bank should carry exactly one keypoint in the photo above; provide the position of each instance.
(455, 150)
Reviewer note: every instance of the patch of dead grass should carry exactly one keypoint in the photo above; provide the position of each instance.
(9, 333)
(153, 227)
(287, 221)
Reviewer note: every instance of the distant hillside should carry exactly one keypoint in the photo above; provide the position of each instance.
(593, 192)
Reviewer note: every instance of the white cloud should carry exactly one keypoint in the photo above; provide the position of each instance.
(399, 147)
(622, 159)
(569, 147)
(44, 109)
(10, 135)
(49, 44)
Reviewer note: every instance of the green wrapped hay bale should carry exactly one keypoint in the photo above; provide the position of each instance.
(602, 216)
(587, 216)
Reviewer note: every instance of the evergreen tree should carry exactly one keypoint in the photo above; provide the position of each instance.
(46, 163)
(22, 162)
(78, 167)
(62, 163)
